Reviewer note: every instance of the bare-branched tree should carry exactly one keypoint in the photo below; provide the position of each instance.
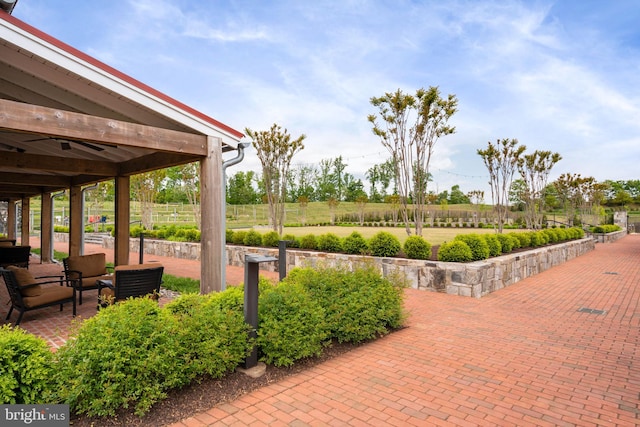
(275, 149)
(535, 169)
(411, 126)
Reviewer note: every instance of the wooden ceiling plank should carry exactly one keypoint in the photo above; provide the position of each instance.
(37, 162)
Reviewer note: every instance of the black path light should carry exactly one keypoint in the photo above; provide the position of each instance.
(251, 270)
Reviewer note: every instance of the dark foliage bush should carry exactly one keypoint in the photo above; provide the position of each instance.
(416, 247)
(292, 241)
(455, 251)
(308, 241)
(253, 238)
(384, 244)
(359, 304)
(478, 246)
(329, 242)
(271, 239)
(292, 324)
(26, 367)
(495, 247)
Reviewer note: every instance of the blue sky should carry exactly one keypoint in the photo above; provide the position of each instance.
(561, 76)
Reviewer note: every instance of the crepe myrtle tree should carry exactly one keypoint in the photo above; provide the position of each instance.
(501, 160)
(535, 169)
(275, 148)
(409, 127)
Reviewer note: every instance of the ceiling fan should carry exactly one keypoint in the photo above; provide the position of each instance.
(65, 144)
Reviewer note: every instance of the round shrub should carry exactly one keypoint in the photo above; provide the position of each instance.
(478, 246)
(329, 242)
(355, 244)
(562, 234)
(524, 238)
(384, 244)
(495, 247)
(536, 239)
(292, 324)
(579, 231)
(271, 239)
(238, 237)
(253, 238)
(551, 234)
(506, 242)
(416, 247)
(129, 354)
(26, 367)
(308, 241)
(455, 251)
(228, 236)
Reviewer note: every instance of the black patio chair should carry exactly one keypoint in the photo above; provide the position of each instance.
(31, 293)
(131, 281)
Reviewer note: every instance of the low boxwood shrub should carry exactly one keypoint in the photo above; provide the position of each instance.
(26, 367)
(292, 325)
(495, 247)
(292, 241)
(228, 236)
(416, 247)
(552, 235)
(507, 242)
(238, 237)
(271, 239)
(524, 238)
(329, 242)
(129, 354)
(455, 251)
(359, 304)
(252, 238)
(308, 241)
(384, 244)
(355, 244)
(479, 247)
(536, 238)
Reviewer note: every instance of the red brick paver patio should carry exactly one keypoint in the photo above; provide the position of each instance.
(528, 355)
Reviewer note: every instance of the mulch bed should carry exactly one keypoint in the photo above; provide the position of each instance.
(195, 398)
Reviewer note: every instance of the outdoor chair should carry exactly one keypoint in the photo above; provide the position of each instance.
(15, 255)
(31, 293)
(83, 272)
(131, 281)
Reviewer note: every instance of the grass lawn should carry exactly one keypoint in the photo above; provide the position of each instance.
(433, 235)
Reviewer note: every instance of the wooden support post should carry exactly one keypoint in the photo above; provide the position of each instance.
(123, 217)
(25, 222)
(75, 220)
(211, 234)
(46, 227)
(11, 219)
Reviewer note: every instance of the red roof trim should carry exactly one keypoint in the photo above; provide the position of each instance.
(101, 65)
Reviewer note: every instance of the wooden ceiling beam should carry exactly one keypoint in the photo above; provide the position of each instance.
(33, 179)
(59, 123)
(30, 162)
(151, 162)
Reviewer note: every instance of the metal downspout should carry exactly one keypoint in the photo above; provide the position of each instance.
(225, 165)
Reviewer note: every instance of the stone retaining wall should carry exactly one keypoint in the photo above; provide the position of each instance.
(474, 279)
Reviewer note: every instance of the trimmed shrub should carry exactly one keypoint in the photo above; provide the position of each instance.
(495, 247)
(212, 334)
(455, 251)
(329, 242)
(292, 324)
(129, 354)
(359, 304)
(524, 238)
(228, 236)
(416, 247)
(253, 238)
(536, 239)
(551, 234)
(238, 237)
(507, 242)
(478, 246)
(384, 244)
(308, 241)
(26, 367)
(271, 239)
(355, 244)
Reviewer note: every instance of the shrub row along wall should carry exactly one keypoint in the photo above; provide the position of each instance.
(473, 279)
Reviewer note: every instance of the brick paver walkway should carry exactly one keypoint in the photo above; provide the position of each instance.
(523, 356)
(532, 354)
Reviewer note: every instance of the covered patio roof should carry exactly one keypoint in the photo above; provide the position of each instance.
(69, 120)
